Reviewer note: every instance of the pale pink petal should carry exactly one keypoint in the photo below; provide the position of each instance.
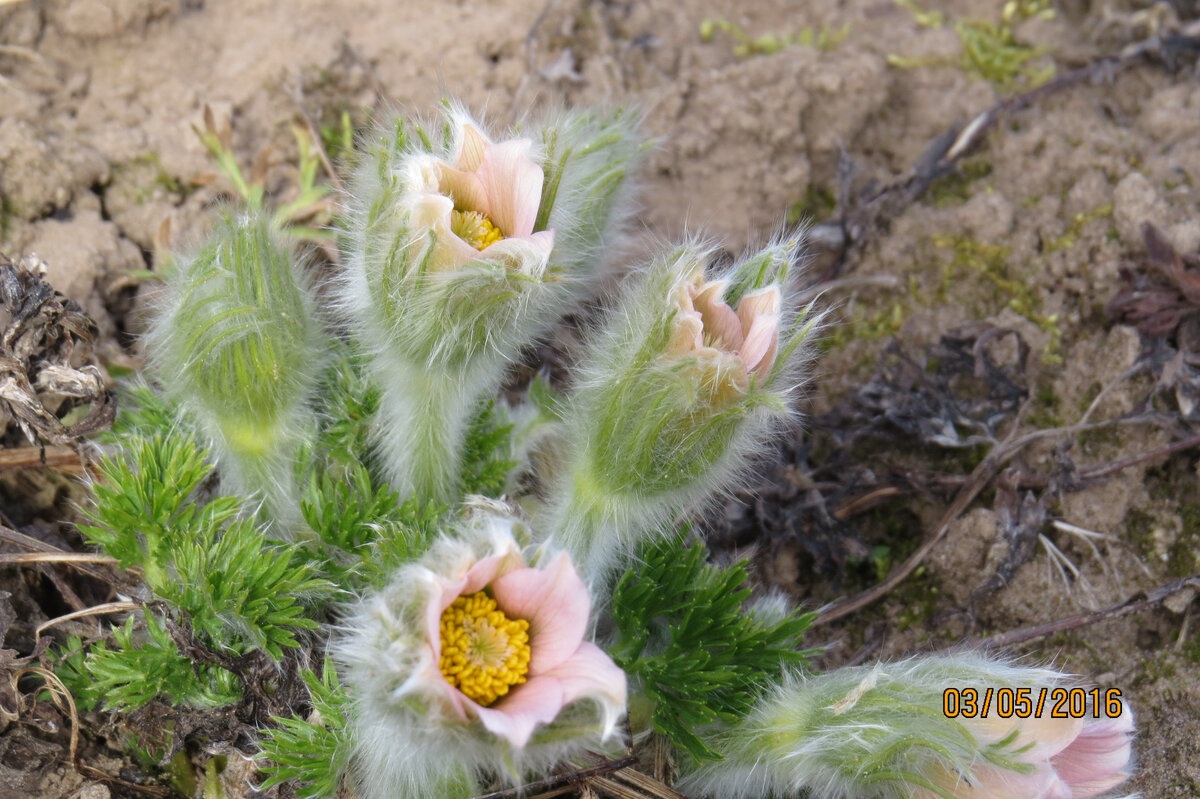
(764, 302)
(1097, 760)
(471, 146)
(429, 675)
(465, 189)
(1038, 739)
(486, 569)
(590, 672)
(443, 593)
(762, 341)
(432, 212)
(513, 184)
(720, 322)
(991, 782)
(530, 254)
(555, 602)
(538, 701)
(687, 334)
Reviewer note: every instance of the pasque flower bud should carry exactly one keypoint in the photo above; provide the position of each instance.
(882, 732)
(239, 345)
(690, 376)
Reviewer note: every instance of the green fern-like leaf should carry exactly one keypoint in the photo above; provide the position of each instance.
(138, 669)
(312, 751)
(363, 529)
(687, 642)
(485, 462)
(240, 593)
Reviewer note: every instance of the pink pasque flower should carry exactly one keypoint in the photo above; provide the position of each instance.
(1071, 759)
(732, 346)
(483, 206)
(472, 632)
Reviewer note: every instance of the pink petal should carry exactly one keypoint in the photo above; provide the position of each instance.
(720, 322)
(555, 602)
(762, 342)
(486, 570)
(1097, 760)
(513, 184)
(465, 188)
(471, 146)
(1044, 736)
(992, 782)
(432, 212)
(514, 717)
(766, 301)
(590, 672)
(429, 674)
(530, 254)
(687, 334)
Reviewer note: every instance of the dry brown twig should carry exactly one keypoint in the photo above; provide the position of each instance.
(1135, 604)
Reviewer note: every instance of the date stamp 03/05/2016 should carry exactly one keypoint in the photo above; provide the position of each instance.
(1024, 703)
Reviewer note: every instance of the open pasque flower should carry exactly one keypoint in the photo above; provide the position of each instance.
(473, 658)
(482, 206)
(454, 264)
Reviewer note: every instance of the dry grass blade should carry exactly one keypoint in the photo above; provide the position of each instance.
(54, 557)
(98, 610)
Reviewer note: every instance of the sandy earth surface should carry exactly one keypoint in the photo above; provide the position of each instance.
(98, 99)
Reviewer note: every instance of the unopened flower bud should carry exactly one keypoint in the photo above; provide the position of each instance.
(239, 346)
(677, 396)
(882, 732)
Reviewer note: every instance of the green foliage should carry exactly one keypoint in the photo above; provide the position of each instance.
(686, 641)
(240, 594)
(239, 591)
(144, 410)
(824, 39)
(141, 667)
(306, 214)
(363, 529)
(312, 751)
(485, 465)
(349, 403)
(991, 51)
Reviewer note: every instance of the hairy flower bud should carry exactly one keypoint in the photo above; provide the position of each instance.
(239, 346)
(689, 378)
(881, 732)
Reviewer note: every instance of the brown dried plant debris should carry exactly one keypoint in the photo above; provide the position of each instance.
(1160, 298)
(45, 340)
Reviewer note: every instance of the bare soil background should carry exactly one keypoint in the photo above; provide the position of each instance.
(994, 279)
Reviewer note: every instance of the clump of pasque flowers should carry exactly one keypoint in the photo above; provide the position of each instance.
(474, 656)
(462, 247)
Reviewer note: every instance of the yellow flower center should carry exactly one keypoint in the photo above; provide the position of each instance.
(474, 228)
(484, 652)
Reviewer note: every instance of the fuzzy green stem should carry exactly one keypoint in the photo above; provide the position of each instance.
(424, 418)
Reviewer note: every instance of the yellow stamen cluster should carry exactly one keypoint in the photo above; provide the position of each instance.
(475, 229)
(484, 653)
